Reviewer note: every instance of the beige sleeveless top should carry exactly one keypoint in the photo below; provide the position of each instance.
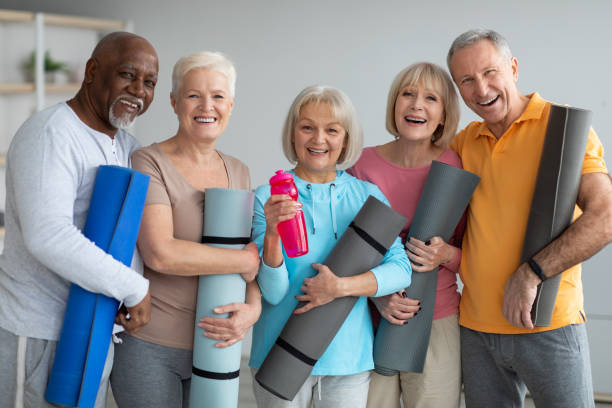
(173, 298)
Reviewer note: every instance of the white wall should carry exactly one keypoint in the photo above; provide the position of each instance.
(279, 47)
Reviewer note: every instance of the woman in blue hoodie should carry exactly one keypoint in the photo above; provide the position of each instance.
(321, 132)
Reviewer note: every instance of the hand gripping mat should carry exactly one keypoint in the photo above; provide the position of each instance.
(446, 194)
(228, 217)
(554, 197)
(305, 337)
(113, 221)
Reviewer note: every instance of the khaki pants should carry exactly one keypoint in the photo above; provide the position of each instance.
(440, 383)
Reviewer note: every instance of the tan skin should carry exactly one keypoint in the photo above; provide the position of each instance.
(315, 130)
(121, 64)
(192, 152)
(585, 236)
(413, 148)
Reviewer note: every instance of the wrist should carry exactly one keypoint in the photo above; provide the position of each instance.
(536, 269)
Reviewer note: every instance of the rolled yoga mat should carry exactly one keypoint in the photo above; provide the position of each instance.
(113, 221)
(446, 194)
(305, 337)
(555, 194)
(228, 217)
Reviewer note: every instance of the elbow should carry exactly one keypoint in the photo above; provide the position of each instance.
(272, 295)
(606, 223)
(154, 258)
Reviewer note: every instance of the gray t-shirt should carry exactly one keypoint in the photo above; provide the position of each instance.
(50, 174)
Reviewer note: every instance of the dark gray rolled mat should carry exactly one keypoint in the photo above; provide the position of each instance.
(305, 337)
(445, 197)
(555, 194)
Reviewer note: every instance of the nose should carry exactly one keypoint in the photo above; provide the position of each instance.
(137, 88)
(207, 103)
(417, 103)
(319, 135)
(481, 86)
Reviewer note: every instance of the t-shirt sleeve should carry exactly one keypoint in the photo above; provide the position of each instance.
(593, 156)
(146, 162)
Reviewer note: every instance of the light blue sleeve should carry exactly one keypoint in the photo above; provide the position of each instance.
(394, 272)
(273, 282)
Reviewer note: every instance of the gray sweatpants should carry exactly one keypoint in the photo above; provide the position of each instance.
(554, 365)
(147, 375)
(26, 363)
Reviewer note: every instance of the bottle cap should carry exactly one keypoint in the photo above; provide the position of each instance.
(281, 176)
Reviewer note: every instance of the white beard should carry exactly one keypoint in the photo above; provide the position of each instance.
(123, 122)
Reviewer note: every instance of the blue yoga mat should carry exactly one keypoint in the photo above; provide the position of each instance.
(112, 224)
(228, 217)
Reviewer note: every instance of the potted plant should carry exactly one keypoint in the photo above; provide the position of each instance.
(50, 66)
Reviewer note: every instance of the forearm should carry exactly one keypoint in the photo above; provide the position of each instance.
(272, 251)
(364, 284)
(588, 234)
(187, 258)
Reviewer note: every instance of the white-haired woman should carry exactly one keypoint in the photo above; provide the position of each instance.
(153, 367)
(422, 115)
(321, 132)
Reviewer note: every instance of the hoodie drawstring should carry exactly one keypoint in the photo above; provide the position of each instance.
(332, 187)
(332, 204)
(312, 210)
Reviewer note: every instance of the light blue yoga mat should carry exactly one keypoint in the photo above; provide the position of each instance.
(446, 194)
(228, 217)
(112, 224)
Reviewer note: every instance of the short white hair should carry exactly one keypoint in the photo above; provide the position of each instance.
(343, 111)
(213, 61)
(473, 36)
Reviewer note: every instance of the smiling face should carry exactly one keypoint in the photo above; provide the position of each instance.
(122, 82)
(203, 104)
(419, 111)
(318, 140)
(487, 83)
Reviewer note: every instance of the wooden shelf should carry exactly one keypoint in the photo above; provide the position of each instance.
(14, 16)
(28, 87)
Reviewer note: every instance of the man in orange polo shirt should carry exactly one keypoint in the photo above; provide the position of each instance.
(502, 353)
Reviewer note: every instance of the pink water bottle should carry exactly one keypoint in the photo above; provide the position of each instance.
(293, 231)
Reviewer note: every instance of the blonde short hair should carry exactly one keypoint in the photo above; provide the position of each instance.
(213, 61)
(437, 79)
(343, 111)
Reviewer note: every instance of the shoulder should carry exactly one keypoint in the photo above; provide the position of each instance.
(450, 157)
(233, 163)
(147, 158)
(238, 171)
(127, 141)
(360, 189)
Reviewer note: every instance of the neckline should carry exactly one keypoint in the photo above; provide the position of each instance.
(165, 157)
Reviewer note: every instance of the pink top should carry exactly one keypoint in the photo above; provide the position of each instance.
(403, 186)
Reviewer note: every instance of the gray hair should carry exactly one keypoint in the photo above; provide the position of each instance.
(213, 61)
(343, 111)
(471, 37)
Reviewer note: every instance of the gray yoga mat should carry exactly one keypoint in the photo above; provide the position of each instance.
(228, 217)
(305, 337)
(445, 197)
(555, 194)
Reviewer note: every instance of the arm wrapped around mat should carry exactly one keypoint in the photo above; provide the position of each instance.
(228, 217)
(446, 194)
(555, 194)
(112, 224)
(306, 336)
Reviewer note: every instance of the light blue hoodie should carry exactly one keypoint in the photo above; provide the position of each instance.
(328, 210)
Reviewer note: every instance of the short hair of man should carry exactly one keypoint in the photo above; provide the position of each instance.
(437, 79)
(212, 61)
(471, 37)
(343, 111)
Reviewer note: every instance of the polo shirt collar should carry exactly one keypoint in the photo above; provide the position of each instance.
(534, 110)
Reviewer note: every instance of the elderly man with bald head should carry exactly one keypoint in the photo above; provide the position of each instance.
(50, 174)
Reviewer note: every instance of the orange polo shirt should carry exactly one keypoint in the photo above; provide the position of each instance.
(498, 213)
